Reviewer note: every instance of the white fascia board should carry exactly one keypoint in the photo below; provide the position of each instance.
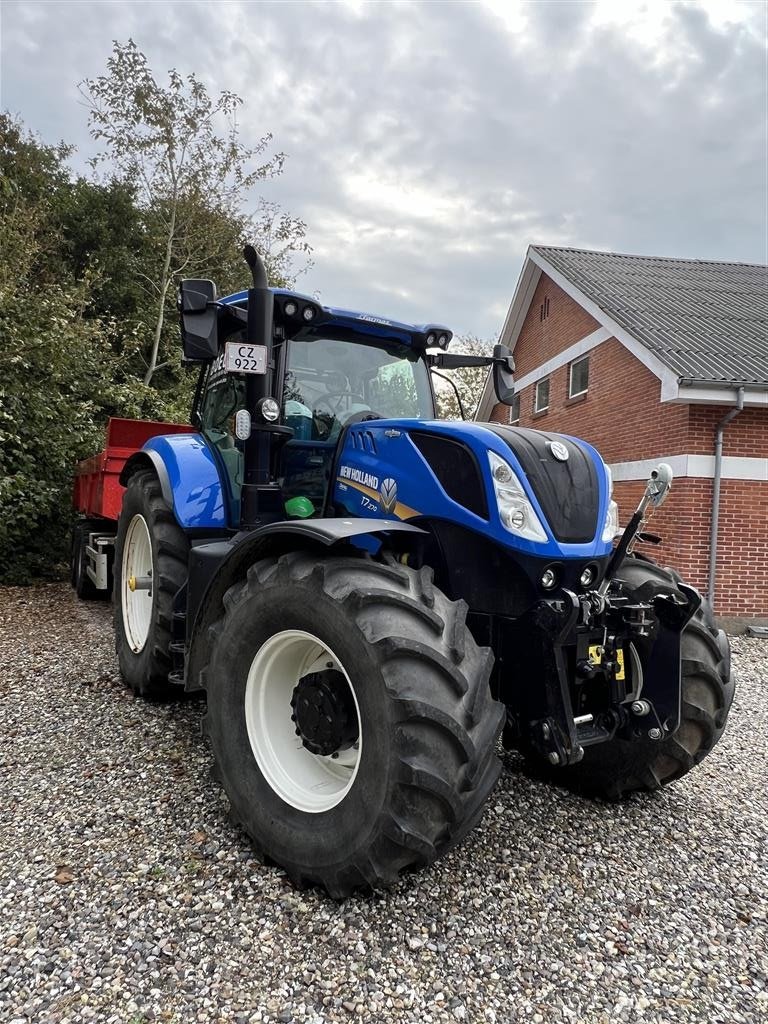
(521, 301)
(579, 348)
(702, 395)
(668, 378)
(734, 467)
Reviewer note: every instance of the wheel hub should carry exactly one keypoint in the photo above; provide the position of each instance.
(324, 712)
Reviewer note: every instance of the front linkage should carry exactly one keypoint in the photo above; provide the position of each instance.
(607, 662)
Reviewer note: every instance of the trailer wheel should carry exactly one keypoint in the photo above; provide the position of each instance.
(616, 769)
(350, 718)
(150, 566)
(82, 583)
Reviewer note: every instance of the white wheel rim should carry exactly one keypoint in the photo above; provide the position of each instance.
(306, 781)
(136, 602)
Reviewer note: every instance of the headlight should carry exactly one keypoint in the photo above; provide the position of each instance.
(611, 527)
(515, 510)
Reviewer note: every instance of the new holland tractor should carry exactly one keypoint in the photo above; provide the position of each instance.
(371, 597)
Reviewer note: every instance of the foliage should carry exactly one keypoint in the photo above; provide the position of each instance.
(86, 280)
(59, 376)
(469, 380)
(180, 149)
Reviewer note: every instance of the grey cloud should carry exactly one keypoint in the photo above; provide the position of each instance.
(478, 139)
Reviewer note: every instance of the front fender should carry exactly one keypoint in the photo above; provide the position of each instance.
(189, 478)
(215, 567)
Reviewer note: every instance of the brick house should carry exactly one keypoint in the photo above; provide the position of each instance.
(644, 358)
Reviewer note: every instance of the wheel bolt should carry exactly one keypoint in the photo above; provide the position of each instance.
(554, 757)
(654, 734)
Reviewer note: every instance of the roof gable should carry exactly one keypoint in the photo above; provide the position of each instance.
(706, 321)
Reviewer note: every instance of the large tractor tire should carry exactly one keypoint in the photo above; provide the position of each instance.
(616, 769)
(350, 717)
(150, 566)
(81, 582)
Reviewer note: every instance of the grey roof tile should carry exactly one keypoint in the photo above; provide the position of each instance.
(707, 321)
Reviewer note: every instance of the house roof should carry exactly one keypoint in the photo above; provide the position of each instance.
(700, 326)
(707, 321)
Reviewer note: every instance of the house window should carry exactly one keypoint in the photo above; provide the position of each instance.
(541, 400)
(544, 309)
(578, 379)
(514, 410)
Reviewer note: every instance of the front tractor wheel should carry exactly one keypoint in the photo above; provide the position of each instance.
(350, 718)
(150, 566)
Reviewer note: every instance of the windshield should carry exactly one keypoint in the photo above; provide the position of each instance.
(330, 381)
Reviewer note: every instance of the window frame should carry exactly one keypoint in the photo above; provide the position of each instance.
(542, 380)
(575, 362)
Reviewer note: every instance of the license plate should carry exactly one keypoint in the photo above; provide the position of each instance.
(242, 358)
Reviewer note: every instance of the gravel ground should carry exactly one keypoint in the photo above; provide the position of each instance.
(126, 897)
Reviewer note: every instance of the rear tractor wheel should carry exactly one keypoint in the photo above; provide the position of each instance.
(150, 566)
(350, 718)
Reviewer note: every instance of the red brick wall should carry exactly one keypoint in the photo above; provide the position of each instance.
(623, 417)
(684, 521)
(620, 415)
(745, 435)
(539, 339)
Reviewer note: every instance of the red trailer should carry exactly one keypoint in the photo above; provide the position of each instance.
(98, 495)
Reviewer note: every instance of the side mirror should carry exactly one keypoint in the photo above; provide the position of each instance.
(199, 320)
(659, 484)
(503, 368)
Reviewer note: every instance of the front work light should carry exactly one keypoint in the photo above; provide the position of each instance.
(516, 512)
(548, 579)
(268, 410)
(587, 577)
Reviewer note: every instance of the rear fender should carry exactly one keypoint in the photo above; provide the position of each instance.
(215, 567)
(189, 478)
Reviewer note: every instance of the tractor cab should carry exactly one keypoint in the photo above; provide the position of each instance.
(331, 378)
(315, 371)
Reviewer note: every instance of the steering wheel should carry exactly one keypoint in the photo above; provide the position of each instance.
(334, 408)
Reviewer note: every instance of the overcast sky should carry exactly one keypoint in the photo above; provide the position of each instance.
(429, 143)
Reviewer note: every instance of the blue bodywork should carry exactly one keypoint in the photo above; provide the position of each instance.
(193, 474)
(361, 323)
(420, 495)
(201, 502)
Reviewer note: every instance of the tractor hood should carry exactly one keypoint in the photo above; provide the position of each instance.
(431, 469)
(563, 475)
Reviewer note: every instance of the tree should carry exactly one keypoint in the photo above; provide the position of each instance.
(469, 380)
(61, 375)
(180, 149)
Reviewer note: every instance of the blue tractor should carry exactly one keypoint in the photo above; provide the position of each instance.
(372, 598)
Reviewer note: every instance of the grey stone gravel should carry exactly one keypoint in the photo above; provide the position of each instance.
(125, 897)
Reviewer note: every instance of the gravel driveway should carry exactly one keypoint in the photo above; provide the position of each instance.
(125, 896)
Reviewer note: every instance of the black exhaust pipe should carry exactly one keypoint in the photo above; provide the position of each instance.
(256, 504)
